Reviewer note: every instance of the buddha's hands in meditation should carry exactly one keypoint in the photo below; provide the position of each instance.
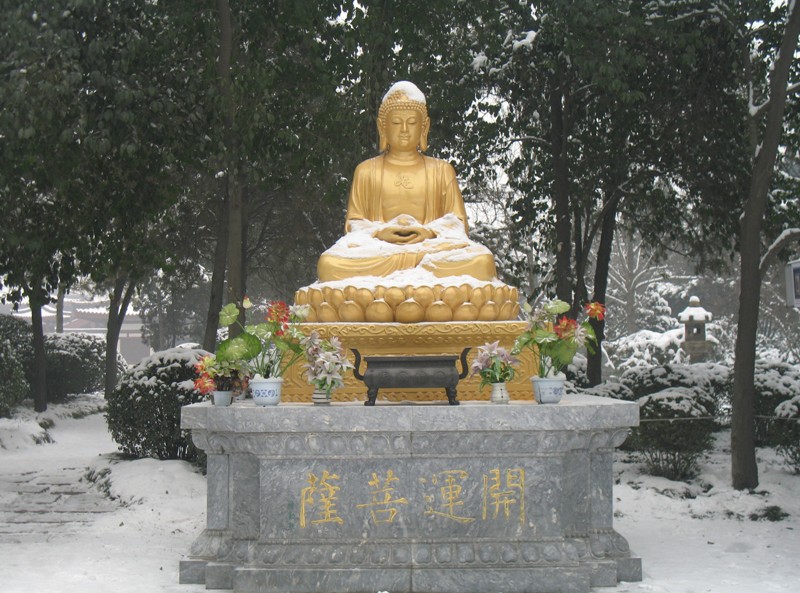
(404, 230)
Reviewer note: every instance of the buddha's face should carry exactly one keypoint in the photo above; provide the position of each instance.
(404, 129)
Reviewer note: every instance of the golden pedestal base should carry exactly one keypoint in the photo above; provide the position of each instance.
(393, 339)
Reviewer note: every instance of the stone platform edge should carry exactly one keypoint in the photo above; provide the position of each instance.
(573, 411)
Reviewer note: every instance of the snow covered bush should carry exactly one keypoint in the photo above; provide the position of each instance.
(75, 364)
(646, 348)
(16, 356)
(612, 389)
(679, 407)
(709, 379)
(144, 410)
(674, 431)
(775, 382)
(787, 427)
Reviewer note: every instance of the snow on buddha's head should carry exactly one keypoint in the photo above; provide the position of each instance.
(409, 89)
(403, 95)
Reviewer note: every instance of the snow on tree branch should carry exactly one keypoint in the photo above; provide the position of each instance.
(785, 238)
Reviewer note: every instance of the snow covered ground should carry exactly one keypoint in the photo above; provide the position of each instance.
(692, 537)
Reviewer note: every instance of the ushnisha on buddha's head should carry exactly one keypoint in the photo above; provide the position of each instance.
(403, 121)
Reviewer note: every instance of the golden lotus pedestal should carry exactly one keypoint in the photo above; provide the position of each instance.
(409, 339)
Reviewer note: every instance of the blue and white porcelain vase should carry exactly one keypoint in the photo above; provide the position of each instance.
(548, 390)
(266, 392)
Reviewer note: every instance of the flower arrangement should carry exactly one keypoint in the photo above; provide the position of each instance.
(265, 349)
(494, 364)
(556, 336)
(214, 374)
(279, 339)
(326, 362)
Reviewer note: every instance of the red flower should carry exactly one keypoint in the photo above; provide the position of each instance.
(565, 327)
(202, 366)
(204, 384)
(278, 313)
(595, 311)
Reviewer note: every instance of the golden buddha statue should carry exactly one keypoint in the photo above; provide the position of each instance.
(406, 255)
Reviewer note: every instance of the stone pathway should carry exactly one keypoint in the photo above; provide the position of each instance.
(39, 505)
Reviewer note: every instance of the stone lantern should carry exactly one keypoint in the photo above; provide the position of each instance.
(694, 319)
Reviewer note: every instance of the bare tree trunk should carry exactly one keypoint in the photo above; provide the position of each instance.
(39, 383)
(60, 310)
(235, 267)
(558, 146)
(217, 279)
(245, 258)
(744, 469)
(121, 296)
(594, 365)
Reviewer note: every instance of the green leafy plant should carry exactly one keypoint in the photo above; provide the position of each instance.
(557, 337)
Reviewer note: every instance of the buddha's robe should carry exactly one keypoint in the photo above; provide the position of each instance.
(450, 253)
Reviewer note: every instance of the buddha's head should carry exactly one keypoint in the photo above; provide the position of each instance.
(403, 121)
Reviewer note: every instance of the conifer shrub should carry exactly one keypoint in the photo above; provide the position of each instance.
(16, 357)
(787, 431)
(612, 389)
(680, 407)
(75, 364)
(675, 430)
(775, 382)
(143, 412)
(711, 380)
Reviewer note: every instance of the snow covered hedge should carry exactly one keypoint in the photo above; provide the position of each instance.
(75, 364)
(676, 428)
(788, 431)
(16, 354)
(679, 406)
(144, 410)
(709, 379)
(775, 383)
(646, 348)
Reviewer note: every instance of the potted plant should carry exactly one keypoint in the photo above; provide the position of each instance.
(556, 338)
(279, 348)
(218, 378)
(325, 366)
(264, 350)
(495, 365)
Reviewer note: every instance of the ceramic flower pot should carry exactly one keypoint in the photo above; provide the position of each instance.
(499, 393)
(548, 390)
(320, 396)
(223, 398)
(266, 392)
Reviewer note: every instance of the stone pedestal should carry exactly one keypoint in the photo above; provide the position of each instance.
(431, 498)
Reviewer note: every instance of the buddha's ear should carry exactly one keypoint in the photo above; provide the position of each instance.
(383, 143)
(423, 138)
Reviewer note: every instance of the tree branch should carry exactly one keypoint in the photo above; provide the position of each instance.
(535, 139)
(786, 237)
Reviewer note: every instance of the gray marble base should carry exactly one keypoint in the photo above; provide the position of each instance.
(401, 498)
